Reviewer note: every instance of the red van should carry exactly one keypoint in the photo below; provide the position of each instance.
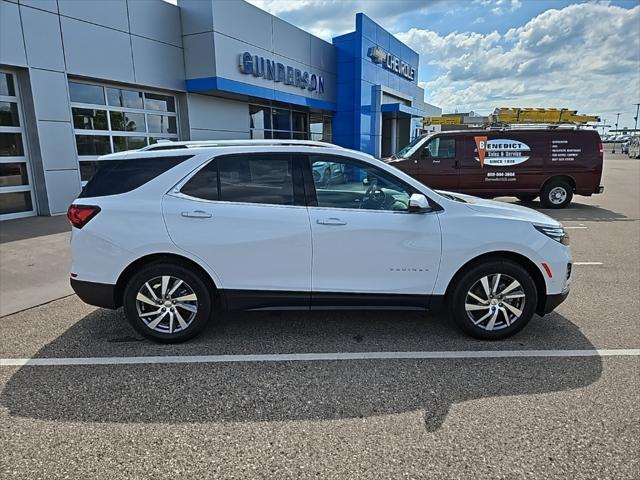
(554, 164)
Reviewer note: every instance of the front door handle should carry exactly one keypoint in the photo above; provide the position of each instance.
(196, 214)
(330, 221)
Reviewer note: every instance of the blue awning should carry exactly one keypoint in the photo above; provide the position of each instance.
(402, 109)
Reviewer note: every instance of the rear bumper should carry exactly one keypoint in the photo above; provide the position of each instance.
(553, 301)
(600, 189)
(98, 294)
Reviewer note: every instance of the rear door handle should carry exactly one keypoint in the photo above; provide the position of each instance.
(330, 221)
(196, 214)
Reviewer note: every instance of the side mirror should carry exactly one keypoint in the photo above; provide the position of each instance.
(418, 203)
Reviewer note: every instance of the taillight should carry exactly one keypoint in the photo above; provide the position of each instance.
(79, 215)
(601, 150)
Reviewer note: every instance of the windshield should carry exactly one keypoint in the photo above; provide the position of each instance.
(412, 147)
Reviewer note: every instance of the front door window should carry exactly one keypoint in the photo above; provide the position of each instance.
(441, 148)
(346, 183)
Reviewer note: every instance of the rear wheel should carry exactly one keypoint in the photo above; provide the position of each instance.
(167, 302)
(556, 194)
(493, 300)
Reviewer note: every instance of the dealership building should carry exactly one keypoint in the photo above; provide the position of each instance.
(80, 79)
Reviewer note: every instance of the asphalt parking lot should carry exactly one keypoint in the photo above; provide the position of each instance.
(549, 413)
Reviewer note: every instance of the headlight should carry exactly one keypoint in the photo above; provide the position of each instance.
(557, 233)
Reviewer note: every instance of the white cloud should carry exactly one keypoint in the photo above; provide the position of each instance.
(500, 7)
(328, 18)
(584, 56)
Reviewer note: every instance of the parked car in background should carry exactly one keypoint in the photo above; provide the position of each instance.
(633, 150)
(554, 164)
(327, 173)
(175, 234)
(624, 146)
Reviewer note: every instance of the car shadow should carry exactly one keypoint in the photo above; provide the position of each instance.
(280, 391)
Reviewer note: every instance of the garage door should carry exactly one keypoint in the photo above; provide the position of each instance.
(16, 195)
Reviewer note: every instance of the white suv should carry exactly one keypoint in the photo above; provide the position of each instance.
(174, 232)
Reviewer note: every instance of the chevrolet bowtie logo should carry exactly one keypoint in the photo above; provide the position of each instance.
(389, 61)
(377, 54)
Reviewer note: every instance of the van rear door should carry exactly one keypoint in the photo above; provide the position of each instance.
(576, 154)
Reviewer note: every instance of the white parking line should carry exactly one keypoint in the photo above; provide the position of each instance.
(587, 263)
(314, 357)
(581, 227)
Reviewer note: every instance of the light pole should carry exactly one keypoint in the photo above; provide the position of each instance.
(635, 126)
(614, 143)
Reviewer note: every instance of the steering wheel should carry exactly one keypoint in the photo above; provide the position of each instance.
(374, 198)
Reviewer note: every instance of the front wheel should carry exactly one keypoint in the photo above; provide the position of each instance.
(493, 300)
(556, 194)
(167, 302)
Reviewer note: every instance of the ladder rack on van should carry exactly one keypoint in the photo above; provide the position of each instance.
(522, 118)
(545, 116)
(534, 126)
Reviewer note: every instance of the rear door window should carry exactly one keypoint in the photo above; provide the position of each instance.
(257, 178)
(203, 184)
(121, 176)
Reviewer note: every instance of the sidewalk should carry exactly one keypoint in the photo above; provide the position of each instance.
(34, 262)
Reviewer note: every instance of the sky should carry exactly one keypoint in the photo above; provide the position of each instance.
(481, 54)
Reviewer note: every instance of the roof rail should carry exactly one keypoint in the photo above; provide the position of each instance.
(170, 145)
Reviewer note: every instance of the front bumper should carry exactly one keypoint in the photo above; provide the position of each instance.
(97, 294)
(553, 301)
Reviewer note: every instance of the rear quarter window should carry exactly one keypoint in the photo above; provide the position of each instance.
(121, 176)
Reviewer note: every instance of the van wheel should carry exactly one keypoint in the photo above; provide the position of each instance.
(556, 194)
(526, 198)
(167, 302)
(493, 300)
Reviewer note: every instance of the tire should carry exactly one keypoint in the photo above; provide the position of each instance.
(468, 313)
(181, 320)
(556, 194)
(526, 198)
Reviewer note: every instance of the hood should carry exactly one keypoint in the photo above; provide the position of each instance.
(503, 209)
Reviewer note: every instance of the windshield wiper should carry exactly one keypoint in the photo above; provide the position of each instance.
(451, 197)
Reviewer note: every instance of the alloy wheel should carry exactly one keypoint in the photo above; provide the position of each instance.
(495, 302)
(166, 304)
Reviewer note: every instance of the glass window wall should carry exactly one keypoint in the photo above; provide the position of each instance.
(110, 119)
